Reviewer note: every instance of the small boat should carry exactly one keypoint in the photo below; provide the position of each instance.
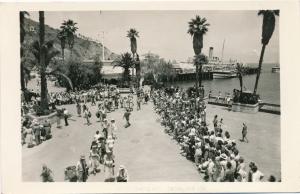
(276, 69)
(221, 74)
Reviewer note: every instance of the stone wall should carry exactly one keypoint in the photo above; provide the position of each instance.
(247, 108)
(52, 117)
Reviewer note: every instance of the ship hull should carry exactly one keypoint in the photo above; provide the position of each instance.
(224, 75)
(275, 69)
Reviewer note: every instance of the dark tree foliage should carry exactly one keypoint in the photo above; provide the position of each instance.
(83, 76)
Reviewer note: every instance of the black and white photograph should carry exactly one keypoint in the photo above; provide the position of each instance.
(150, 96)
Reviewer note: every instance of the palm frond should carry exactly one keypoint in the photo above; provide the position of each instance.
(197, 25)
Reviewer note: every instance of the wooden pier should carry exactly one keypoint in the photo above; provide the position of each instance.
(192, 76)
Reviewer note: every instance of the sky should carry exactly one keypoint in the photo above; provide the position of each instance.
(165, 32)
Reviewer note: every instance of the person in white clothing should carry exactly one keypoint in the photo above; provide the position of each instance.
(257, 176)
(113, 128)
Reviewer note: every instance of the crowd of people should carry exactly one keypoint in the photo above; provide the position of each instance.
(106, 99)
(101, 154)
(212, 149)
(183, 116)
(101, 157)
(34, 132)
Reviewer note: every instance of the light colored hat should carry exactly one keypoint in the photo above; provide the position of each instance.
(108, 151)
(122, 167)
(223, 156)
(35, 121)
(82, 157)
(112, 119)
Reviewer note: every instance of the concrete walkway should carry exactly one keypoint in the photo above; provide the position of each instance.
(264, 147)
(146, 151)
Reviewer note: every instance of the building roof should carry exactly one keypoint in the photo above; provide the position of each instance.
(185, 67)
(111, 70)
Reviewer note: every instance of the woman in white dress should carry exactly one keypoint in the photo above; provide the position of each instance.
(29, 136)
(109, 165)
(94, 160)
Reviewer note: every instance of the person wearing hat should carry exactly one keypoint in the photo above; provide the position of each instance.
(229, 173)
(113, 128)
(257, 176)
(251, 165)
(244, 133)
(110, 143)
(127, 117)
(218, 172)
(59, 116)
(78, 107)
(105, 126)
(37, 132)
(138, 103)
(122, 175)
(46, 174)
(95, 159)
(47, 127)
(82, 169)
(87, 115)
(109, 165)
(29, 135)
(198, 153)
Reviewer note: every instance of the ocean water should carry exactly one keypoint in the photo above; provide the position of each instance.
(268, 85)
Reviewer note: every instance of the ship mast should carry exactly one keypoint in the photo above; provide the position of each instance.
(223, 51)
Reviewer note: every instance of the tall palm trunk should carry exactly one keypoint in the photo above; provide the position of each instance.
(23, 86)
(22, 34)
(241, 83)
(63, 54)
(127, 75)
(259, 68)
(44, 101)
(200, 75)
(197, 78)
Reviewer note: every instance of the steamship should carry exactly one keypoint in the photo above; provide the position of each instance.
(224, 74)
(220, 69)
(275, 69)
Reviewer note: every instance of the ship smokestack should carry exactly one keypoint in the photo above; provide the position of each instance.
(211, 50)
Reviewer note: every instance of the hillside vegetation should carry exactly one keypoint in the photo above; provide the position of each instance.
(84, 48)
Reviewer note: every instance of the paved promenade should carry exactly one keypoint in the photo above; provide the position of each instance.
(147, 152)
(264, 146)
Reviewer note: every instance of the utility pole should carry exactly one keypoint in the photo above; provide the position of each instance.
(102, 42)
(103, 57)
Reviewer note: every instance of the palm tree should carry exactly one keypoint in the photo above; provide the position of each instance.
(126, 62)
(132, 34)
(197, 28)
(62, 36)
(240, 71)
(268, 27)
(22, 37)
(50, 54)
(199, 60)
(69, 28)
(42, 62)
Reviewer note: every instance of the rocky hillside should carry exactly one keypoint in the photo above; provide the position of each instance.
(84, 47)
